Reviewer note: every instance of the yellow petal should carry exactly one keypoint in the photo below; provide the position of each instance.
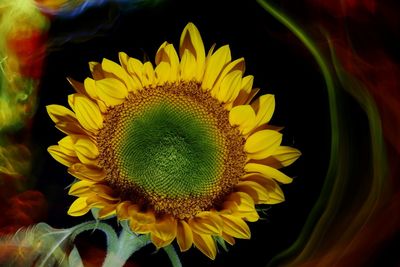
(230, 86)
(244, 117)
(80, 188)
(123, 60)
(86, 148)
(244, 202)
(112, 91)
(173, 61)
(138, 228)
(142, 75)
(286, 155)
(97, 71)
(234, 66)
(265, 106)
(79, 88)
(71, 100)
(142, 217)
(210, 53)
(215, 65)
(206, 223)
(275, 193)
(242, 205)
(148, 74)
(255, 190)
(235, 226)
(66, 146)
(244, 98)
(95, 200)
(61, 157)
(235, 94)
(188, 66)
(87, 113)
(268, 172)
(91, 91)
(275, 198)
(206, 244)
(229, 206)
(135, 67)
(78, 207)
(162, 73)
(90, 88)
(105, 192)
(160, 55)
(247, 83)
(136, 83)
(72, 128)
(269, 161)
(164, 231)
(191, 41)
(167, 54)
(250, 216)
(84, 172)
(158, 242)
(262, 144)
(119, 72)
(184, 235)
(122, 210)
(228, 238)
(102, 106)
(246, 89)
(59, 114)
(107, 211)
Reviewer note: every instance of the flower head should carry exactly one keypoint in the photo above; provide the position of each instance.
(176, 149)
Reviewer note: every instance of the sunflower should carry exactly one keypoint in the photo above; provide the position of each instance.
(179, 150)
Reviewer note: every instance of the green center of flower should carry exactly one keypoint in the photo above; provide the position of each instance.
(168, 150)
(171, 148)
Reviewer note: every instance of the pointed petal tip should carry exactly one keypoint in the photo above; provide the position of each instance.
(79, 207)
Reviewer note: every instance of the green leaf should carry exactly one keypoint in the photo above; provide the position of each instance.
(42, 246)
(74, 258)
(221, 242)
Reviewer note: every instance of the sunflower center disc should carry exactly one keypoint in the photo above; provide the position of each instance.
(171, 148)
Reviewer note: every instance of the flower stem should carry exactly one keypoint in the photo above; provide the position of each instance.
(96, 225)
(173, 256)
(120, 251)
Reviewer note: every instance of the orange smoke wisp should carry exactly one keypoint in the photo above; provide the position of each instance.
(381, 76)
(22, 210)
(366, 244)
(346, 8)
(28, 46)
